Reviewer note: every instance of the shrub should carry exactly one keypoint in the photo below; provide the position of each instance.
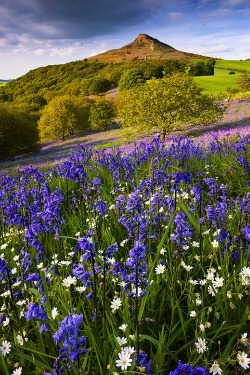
(18, 132)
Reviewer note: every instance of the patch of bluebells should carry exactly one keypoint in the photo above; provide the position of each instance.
(186, 369)
(71, 341)
(142, 209)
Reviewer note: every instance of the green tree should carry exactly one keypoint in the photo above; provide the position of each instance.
(166, 104)
(131, 78)
(99, 85)
(18, 132)
(58, 118)
(102, 114)
(173, 66)
(244, 81)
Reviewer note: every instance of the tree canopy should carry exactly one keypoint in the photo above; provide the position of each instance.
(62, 116)
(131, 78)
(102, 114)
(167, 104)
(18, 132)
(244, 81)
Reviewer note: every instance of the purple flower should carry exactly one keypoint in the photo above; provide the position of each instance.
(183, 369)
(35, 312)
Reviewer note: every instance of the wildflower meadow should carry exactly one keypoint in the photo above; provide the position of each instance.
(131, 260)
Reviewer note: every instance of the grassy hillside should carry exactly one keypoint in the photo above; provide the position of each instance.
(236, 65)
(222, 78)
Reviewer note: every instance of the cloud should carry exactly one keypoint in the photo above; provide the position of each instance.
(75, 18)
(176, 16)
(237, 3)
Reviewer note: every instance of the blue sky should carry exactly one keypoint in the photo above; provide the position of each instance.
(36, 33)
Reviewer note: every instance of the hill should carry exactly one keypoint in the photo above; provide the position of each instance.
(143, 47)
(94, 75)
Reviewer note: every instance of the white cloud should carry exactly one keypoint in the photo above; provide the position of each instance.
(39, 51)
(236, 2)
(176, 16)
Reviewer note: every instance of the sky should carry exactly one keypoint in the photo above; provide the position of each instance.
(36, 33)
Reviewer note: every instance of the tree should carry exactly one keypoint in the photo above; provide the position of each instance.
(167, 104)
(244, 81)
(202, 68)
(173, 66)
(131, 78)
(102, 114)
(58, 118)
(99, 85)
(18, 132)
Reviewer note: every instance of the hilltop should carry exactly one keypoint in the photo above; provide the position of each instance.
(143, 47)
(93, 75)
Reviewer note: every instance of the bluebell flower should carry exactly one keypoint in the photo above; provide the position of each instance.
(35, 312)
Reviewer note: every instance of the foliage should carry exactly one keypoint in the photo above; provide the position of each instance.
(18, 132)
(133, 259)
(102, 114)
(131, 78)
(99, 85)
(173, 66)
(62, 116)
(244, 81)
(202, 68)
(167, 104)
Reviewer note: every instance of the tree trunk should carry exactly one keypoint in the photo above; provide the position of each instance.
(163, 136)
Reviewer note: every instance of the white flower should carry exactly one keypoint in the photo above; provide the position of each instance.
(193, 282)
(212, 290)
(20, 339)
(17, 371)
(5, 348)
(124, 360)
(116, 303)
(215, 244)
(215, 369)
(111, 261)
(160, 269)
(245, 276)
(216, 233)
(218, 282)
(203, 282)
(121, 340)
(69, 281)
(195, 244)
(129, 350)
(193, 314)
(6, 321)
(198, 301)
(188, 268)
(243, 360)
(163, 251)
(123, 327)
(137, 292)
(206, 232)
(201, 345)
(54, 312)
(202, 327)
(81, 289)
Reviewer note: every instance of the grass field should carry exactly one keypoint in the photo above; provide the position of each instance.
(222, 79)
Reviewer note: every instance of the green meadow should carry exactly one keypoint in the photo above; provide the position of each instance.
(222, 78)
